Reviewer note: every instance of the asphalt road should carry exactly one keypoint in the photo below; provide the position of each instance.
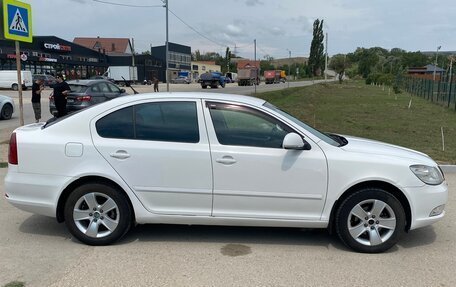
(39, 251)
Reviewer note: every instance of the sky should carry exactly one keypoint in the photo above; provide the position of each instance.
(278, 26)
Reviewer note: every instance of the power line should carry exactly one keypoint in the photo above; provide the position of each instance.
(127, 5)
(196, 31)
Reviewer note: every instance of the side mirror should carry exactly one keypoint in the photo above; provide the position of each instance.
(295, 142)
(122, 91)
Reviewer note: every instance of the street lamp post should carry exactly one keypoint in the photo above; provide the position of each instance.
(435, 64)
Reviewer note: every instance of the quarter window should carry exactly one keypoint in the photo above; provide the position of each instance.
(242, 126)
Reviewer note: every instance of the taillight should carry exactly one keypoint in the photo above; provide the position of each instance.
(12, 155)
(85, 98)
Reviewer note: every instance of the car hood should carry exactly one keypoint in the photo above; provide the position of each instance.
(366, 146)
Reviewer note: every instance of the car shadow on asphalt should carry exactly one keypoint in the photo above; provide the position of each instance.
(230, 234)
(42, 225)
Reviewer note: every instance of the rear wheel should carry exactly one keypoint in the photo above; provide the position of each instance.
(370, 220)
(15, 87)
(7, 112)
(97, 214)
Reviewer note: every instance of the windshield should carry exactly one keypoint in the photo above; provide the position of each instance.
(308, 128)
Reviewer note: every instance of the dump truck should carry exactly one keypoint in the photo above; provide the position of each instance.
(248, 77)
(212, 79)
(274, 76)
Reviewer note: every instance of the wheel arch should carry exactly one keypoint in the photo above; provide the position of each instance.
(84, 180)
(395, 191)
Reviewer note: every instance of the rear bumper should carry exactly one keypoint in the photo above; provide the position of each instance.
(34, 192)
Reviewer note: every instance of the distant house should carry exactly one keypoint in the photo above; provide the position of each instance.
(426, 72)
(108, 46)
(243, 64)
(201, 67)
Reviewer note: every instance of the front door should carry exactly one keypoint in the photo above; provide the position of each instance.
(161, 150)
(254, 177)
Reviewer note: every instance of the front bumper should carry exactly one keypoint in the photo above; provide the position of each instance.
(423, 200)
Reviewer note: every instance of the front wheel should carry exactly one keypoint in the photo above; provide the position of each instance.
(97, 214)
(7, 112)
(370, 220)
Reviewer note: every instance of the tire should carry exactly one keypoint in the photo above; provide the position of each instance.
(370, 221)
(109, 225)
(15, 87)
(204, 87)
(7, 112)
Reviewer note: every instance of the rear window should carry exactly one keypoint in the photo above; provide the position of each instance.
(78, 88)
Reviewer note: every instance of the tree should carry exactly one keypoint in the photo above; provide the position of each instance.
(316, 57)
(339, 63)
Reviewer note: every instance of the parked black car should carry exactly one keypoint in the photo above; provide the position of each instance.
(48, 79)
(85, 93)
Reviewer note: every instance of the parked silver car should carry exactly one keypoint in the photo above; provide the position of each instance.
(6, 107)
(181, 80)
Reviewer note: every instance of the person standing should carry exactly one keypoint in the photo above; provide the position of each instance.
(155, 80)
(37, 87)
(61, 90)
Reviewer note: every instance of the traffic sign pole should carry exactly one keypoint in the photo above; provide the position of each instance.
(19, 83)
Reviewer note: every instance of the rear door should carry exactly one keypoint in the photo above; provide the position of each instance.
(161, 150)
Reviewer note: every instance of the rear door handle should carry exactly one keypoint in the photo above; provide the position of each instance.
(120, 154)
(226, 160)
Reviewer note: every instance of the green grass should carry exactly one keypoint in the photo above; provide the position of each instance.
(15, 284)
(353, 108)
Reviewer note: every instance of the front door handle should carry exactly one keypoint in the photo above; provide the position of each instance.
(120, 154)
(228, 160)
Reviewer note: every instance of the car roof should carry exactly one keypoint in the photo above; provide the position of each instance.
(188, 95)
(87, 82)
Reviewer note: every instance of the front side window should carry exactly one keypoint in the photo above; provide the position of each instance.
(242, 126)
(163, 121)
(113, 88)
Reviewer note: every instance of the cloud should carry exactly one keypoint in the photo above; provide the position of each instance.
(253, 2)
(233, 30)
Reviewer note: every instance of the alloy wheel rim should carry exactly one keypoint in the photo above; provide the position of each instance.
(371, 222)
(96, 215)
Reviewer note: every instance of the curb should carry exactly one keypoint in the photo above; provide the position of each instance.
(448, 168)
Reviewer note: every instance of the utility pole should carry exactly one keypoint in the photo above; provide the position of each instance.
(133, 51)
(289, 66)
(326, 58)
(435, 64)
(167, 47)
(258, 68)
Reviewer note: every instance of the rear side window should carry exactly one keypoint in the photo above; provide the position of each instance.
(164, 121)
(78, 88)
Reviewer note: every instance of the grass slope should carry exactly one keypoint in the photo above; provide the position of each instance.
(354, 108)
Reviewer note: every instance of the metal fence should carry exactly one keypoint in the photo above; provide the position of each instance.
(441, 91)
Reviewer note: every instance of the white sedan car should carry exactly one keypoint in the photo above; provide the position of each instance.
(198, 158)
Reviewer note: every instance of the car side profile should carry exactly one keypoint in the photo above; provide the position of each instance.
(181, 80)
(85, 93)
(214, 159)
(6, 107)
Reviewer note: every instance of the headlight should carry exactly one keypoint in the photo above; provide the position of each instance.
(427, 174)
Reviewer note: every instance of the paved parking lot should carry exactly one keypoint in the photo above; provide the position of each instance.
(39, 251)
